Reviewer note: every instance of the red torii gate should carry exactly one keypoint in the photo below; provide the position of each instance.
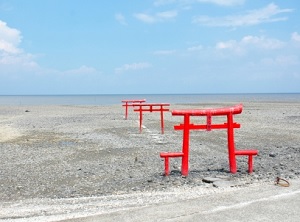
(131, 103)
(229, 125)
(152, 107)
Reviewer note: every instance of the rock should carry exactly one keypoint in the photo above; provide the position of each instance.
(210, 179)
(272, 155)
(224, 183)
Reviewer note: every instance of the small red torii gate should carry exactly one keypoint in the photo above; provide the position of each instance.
(151, 107)
(229, 125)
(131, 102)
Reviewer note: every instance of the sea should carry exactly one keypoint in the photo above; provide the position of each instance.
(110, 99)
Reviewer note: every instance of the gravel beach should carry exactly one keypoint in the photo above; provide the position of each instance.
(57, 160)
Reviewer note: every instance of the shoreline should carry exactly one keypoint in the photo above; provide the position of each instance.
(115, 99)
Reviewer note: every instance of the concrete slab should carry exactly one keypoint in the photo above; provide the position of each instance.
(259, 203)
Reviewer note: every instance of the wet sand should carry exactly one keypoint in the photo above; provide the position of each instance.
(56, 161)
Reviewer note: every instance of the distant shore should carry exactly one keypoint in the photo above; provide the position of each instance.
(114, 99)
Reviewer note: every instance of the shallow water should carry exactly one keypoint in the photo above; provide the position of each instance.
(160, 98)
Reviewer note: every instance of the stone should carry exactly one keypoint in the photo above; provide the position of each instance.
(224, 183)
(210, 179)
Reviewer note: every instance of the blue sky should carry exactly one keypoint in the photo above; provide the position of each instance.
(144, 46)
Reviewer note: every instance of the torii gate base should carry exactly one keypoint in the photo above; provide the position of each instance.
(229, 125)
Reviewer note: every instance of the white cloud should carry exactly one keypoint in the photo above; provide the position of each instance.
(264, 15)
(81, 70)
(23, 60)
(195, 48)
(216, 2)
(167, 15)
(227, 45)
(223, 2)
(133, 66)
(250, 42)
(9, 39)
(8, 47)
(164, 2)
(290, 60)
(262, 42)
(295, 37)
(164, 52)
(145, 18)
(12, 57)
(158, 17)
(120, 18)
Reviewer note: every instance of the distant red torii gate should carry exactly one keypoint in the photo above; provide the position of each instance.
(152, 107)
(131, 102)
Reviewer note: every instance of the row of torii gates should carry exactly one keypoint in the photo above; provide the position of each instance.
(141, 106)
